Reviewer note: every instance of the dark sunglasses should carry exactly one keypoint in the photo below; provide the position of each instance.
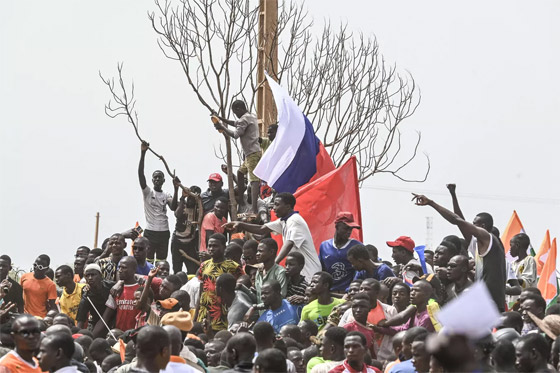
(27, 333)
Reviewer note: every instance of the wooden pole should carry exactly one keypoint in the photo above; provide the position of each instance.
(96, 230)
(267, 60)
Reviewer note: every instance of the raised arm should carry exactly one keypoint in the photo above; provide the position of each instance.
(284, 251)
(456, 208)
(144, 297)
(175, 202)
(252, 228)
(467, 229)
(141, 177)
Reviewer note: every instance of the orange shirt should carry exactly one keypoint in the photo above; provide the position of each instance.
(13, 363)
(36, 294)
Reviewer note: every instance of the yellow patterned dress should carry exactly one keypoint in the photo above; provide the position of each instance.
(210, 303)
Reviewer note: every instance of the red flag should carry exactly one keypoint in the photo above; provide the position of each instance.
(319, 202)
(324, 165)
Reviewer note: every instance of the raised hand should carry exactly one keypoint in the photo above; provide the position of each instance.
(421, 200)
(153, 272)
(144, 146)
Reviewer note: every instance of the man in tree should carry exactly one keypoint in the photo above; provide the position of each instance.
(487, 249)
(71, 291)
(39, 291)
(458, 276)
(155, 208)
(247, 131)
(27, 337)
(294, 230)
(333, 253)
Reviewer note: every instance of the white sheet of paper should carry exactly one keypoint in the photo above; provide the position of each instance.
(473, 313)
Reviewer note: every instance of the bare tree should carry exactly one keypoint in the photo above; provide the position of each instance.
(355, 100)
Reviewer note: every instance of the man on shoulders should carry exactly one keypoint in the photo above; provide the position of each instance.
(294, 230)
(39, 291)
(333, 253)
(155, 208)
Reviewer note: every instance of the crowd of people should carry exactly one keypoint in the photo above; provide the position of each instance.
(231, 299)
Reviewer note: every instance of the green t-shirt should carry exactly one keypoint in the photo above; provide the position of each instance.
(318, 313)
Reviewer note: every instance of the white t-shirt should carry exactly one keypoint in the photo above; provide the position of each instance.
(155, 209)
(295, 229)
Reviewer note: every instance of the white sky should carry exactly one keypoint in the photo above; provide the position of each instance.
(488, 72)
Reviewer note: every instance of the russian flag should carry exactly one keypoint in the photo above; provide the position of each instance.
(296, 155)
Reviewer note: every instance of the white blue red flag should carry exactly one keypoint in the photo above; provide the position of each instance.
(296, 155)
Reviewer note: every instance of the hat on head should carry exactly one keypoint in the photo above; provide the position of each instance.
(508, 334)
(403, 241)
(182, 320)
(168, 303)
(550, 325)
(93, 266)
(346, 218)
(215, 177)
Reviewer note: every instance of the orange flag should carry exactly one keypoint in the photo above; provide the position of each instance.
(548, 284)
(543, 252)
(513, 227)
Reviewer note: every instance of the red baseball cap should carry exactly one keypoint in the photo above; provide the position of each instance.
(403, 241)
(215, 177)
(347, 218)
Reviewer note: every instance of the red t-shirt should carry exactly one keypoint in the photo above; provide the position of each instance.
(210, 223)
(367, 332)
(124, 304)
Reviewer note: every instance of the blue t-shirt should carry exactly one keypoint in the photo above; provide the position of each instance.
(145, 271)
(335, 261)
(380, 273)
(284, 315)
(403, 367)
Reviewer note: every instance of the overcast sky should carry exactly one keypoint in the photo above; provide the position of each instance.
(488, 73)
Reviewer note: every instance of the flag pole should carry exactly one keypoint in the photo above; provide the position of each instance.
(96, 230)
(101, 317)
